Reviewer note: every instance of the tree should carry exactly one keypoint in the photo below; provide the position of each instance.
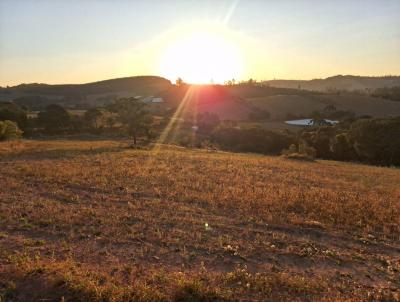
(110, 120)
(13, 112)
(54, 118)
(77, 124)
(179, 82)
(320, 139)
(93, 117)
(9, 130)
(230, 82)
(132, 113)
(377, 140)
(252, 139)
(342, 148)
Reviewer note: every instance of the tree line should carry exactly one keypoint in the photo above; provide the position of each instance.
(389, 93)
(370, 140)
(126, 116)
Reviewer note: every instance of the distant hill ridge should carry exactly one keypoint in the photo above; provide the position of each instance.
(150, 83)
(279, 97)
(136, 83)
(339, 82)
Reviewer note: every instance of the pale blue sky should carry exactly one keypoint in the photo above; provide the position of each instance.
(74, 41)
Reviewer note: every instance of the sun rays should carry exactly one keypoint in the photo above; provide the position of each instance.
(177, 117)
(170, 131)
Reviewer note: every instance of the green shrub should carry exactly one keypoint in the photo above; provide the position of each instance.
(9, 130)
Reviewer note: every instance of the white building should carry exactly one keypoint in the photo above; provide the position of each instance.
(152, 100)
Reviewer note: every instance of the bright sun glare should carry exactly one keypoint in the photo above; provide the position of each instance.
(202, 57)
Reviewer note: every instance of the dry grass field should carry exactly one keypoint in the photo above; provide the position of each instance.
(99, 221)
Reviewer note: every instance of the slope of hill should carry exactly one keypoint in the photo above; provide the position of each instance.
(212, 98)
(252, 91)
(97, 221)
(229, 102)
(92, 93)
(209, 98)
(340, 82)
(281, 105)
(132, 84)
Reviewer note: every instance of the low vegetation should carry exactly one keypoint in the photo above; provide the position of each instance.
(252, 139)
(100, 221)
(365, 139)
(9, 130)
(359, 139)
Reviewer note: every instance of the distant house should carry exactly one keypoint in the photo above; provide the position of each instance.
(152, 100)
(157, 100)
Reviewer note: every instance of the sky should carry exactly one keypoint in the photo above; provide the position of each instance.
(71, 41)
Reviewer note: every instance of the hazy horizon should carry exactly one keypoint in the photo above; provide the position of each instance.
(59, 42)
(173, 80)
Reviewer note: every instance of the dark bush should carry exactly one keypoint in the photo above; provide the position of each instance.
(13, 112)
(377, 140)
(253, 139)
(55, 119)
(366, 139)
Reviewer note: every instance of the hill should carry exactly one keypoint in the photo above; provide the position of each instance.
(282, 106)
(131, 84)
(98, 221)
(339, 82)
(208, 98)
(95, 93)
(211, 98)
(234, 102)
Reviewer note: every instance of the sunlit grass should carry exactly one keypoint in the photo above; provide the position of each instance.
(110, 222)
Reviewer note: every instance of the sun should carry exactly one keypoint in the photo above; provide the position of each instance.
(201, 57)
